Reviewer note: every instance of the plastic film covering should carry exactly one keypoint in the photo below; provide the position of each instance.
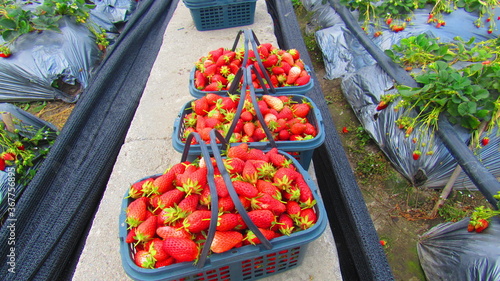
(363, 82)
(449, 252)
(39, 59)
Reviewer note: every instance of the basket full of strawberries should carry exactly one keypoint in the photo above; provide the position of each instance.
(283, 70)
(243, 215)
(291, 122)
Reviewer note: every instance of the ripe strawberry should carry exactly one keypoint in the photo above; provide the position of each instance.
(251, 238)
(302, 80)
(164, 183)
(256, 154)
(267, 202)
(273, 102)
(172, 231)
(200, 80)
(277, 70)
(146, 230)
(197, 221)
(293, 209)
(234, 165)
(382, 105)
(416, 154)
(155, 247)
(136, 212)
(214, 87)
(181, 249)
(193, 183)
(310, 130)
(485, 141)
(288, 58)
(167, 262)
(277, 159)
(189, 203)
(215, 54)
(481, 225)
(239, 151)
(259, 134)
(144, 259)
(262, 218)
(168, 199)
(249, 173)
(295, 53)
(286, 113)
(285, 177)
(221, 187)
(307, 218)
(245, 189)
(136, 190)
(285, 224)
(271, 61)
(297, 128)
(306, 198)
(227, 221)
(293, 75)
(249, 128)
(225, 241)
(301, 109)
(226, 204)
(131, 236)
(266, 187)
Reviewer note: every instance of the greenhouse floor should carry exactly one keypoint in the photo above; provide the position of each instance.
(148, 148)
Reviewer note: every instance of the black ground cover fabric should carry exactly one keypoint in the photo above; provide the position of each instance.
(360, 255)
(53, 215)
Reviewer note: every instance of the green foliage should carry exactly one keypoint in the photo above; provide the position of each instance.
(452, 213)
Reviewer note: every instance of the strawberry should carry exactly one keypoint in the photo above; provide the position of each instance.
(286, 113)
(266, 187)
(213, 87)
(295, 53)
(136, 190)
(225, 241)
(301, 109)
(167, 231)
(251, 238)
(259, 134)
(293, 209)
(197, 221)
(416, 154)
(200, 80)
(277, 70)
(144, 259)
(249, 128)
(271, 61)
(273, 102)
(302, 80)
(215, 54)
(227, 221)
(297, 128)
(226, 204)
(266, 201)
(310, 130)
(249, 173)
(481, 225)
(166, 262)
(146, 230)
(277, 159)
(194, 182)
(307, 218)
(136, 212)
(256, 154)
(262, 218)
(131, 236)
(189, 203)
(234, 165)
(485, 141)
(181, 249)
(239, 151)
(164, 183)
(306, 196)
(382, 105)
(168, 199)
(284, 177)
(245, 189)
(293, 75)
(288, 58)
(155, 247)
(221, 187)
(285, 224)
(263, 51)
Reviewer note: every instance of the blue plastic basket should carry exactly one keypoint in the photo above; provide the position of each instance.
(251, 262)
(296, 90)
(221, 14)
(302, 150)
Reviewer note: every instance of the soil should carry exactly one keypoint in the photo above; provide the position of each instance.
(400, 212)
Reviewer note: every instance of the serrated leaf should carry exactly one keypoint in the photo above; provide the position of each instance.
(470, 122)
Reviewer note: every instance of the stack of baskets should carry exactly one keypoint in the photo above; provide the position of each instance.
(249, 262)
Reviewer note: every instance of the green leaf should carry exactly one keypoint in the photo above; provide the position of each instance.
(470, 122)
(481, 94)
(482, 114)
(8, 23)
(8, 35)
(467, 108)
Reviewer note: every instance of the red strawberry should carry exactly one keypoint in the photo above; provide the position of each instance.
(262, 218)
(234, 165)
(200, 80)
(273, 102)
(307, 218)
(144, 259)
(166, 262)
(193, 183)
(136, 190)
(259, 134)
(227, 221)
(136, 212)
(302, 80)
(481, 225)
(197, 221)
(189, 203)
(306, 198)
(171, 231)
(277, 70)
(168, 199)
(382, 105)
(146, 230)
(267, 202)
(295, 53)
(301, 109)
(226, 204)
(239, 151)
(225, 241)
(130, 236)
(270, 61)
(256, 154)
(214, 87)
(251, 238)
(246, 116)
(245, 189)
(285, 177)
(181, 249)
(249, 173)
(229, 103)
(310, 130)
(277, 159)
(485, 141)
(249, 128)
(293, 209)
(267, 187)
(286, 113)
(288, 58)
(164, 183)
(416, 154)
(155, 247)
(221, 187)
(285, 224)
(297, 128)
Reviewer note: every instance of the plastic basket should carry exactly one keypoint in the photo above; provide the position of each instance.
(302, 150)
(219, 14)
(249, 262)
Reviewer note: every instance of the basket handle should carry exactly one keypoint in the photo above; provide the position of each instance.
(214, 201)
(252, 39)
(214, 134)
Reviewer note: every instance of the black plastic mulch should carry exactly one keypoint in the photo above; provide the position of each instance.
(53, 214)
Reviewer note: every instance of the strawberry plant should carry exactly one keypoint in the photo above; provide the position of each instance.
(22, 146)
(481, 217)
(21, 18)
(166, 225)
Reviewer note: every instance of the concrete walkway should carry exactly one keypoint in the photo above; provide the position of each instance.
(148, 148)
